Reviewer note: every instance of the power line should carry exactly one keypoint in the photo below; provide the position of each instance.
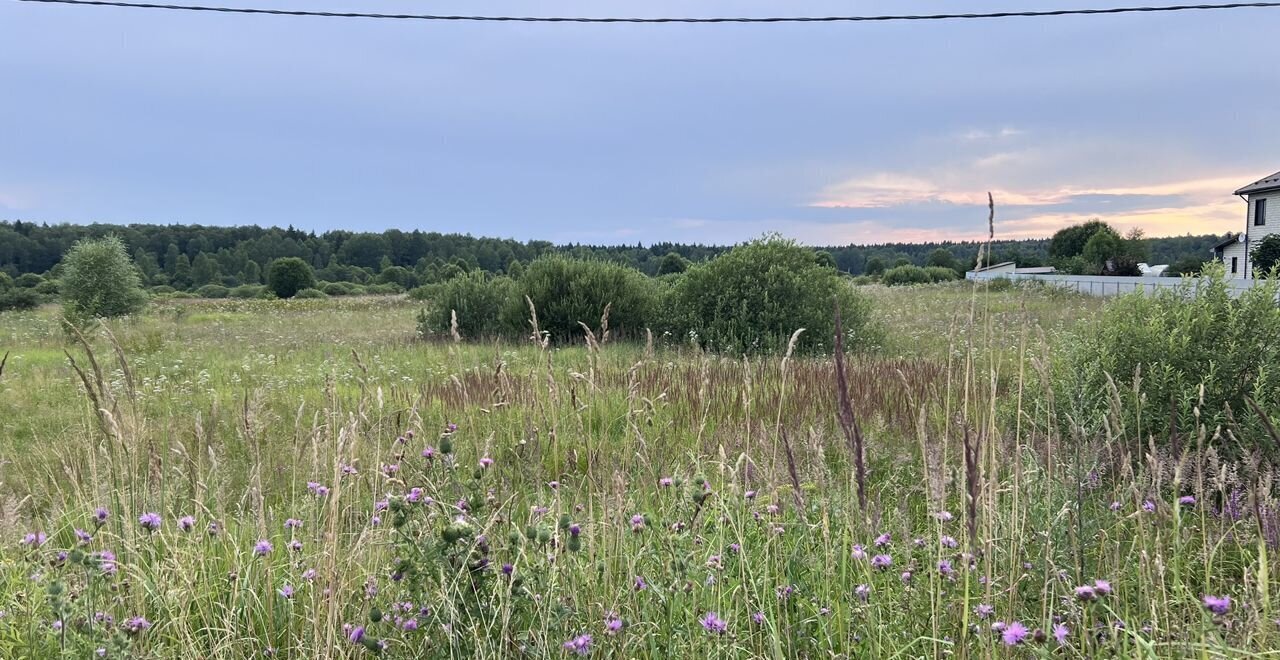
(738, 19)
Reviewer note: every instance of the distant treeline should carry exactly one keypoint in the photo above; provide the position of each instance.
(187, 257)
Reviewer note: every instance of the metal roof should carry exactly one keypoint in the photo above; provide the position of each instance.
(1231, 238)
(1269, 183)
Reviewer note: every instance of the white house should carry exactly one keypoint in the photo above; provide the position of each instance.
(1262, 218)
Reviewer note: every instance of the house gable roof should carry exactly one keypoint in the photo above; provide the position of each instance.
(1262, 185)
(1231, 238)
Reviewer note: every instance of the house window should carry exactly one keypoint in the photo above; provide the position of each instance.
(1235, 264)
(1260, 212)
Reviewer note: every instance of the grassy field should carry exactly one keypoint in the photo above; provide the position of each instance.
(326, 485)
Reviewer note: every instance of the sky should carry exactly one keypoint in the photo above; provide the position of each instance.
(827, 133)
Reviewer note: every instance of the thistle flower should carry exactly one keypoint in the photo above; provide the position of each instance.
(136, 624)
(984, 611)
(486, 462)
(758, 618)
(1187, 500)
(612, 625)
(1014, 633)
(356, 635)
(213, 529)
(186, 523)
(553, 485)
(905, 577)
(665, 482)
(292, 523)
(944, 516)
(100, 515)
(714, 624)
(863, 592)
(1103, 587)
(149, 521)
(1086, 593)
(637, 522)
(858, 552)
(1115, 505)
(881, 562)
(639, 584)
(83, 537)
(944, 567)
(295, 545)
(1217, 604)
(107, 562)
(262, 547)
(948, 542)
(1149, 506)
(286, 591)
(34, 539)
(409, 625)
(429, 453)
(883, 540)
(580, 645)
(1060, 633)
(309, 574)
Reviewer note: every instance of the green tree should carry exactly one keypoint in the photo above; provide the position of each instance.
(752, 298)
(1265, 256)
(204, 270)
(182, 273)
(1070, 242)
(875, 266)
(100, 281)
(942, 258)
(252, 273)
(289, 275)
(171, 261)
(673, 263)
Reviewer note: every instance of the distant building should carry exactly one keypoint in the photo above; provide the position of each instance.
(1234, 250)
(1012, 268)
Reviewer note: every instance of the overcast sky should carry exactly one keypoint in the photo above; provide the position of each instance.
(829, 133)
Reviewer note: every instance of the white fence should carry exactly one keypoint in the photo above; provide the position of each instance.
(1104, 285)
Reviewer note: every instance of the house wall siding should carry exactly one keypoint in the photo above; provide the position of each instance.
(1236, 250)
(1256, 233)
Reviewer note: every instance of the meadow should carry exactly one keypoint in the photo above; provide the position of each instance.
(309, 478)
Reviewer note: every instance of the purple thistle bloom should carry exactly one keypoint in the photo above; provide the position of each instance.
(1187, 500)
(100, 515)
(213, 529)
(714, 624)
(34, 539)
(906, 577)
(1217, 604)
(292, 523)
(450, 427)
(136, 624)
(612, 625)
(107, 562)
(944, 567)
(1013, 633)
(639, 584)
(751, 495)
(186, 523)
(858, 552)
(486, 462)
(429, 453)
(295, 545)
(356, 635)
(637, 522)
(1086, 593)
(309, 574)
(1115, 505)
(580, 645)
(1060, 633)
(1148, 506)
(149, 521)
(409, 625)
(984, 610)
(863, 592)
(262, 547)
(881, 561)
(665, 482)
(1103, 587)
(286, 591)
(575, 529)
(83, 537)
(944, 516)
(883, 540)
(948, 542)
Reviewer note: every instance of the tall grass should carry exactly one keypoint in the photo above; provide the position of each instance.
(495, 500)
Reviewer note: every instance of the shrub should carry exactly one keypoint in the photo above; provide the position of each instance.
(99, 280)
(162, 289)
(310, 293)
(425, 292)
(336, 288)
(213, 291)
(1179, 340)
(14, 298)
(753, 297)
(478, 299)
(388, 289)
(999, 285)
(941, 274)
(862, 280)
(1265, 256)
(28, 281)
(900, 275)
(290, 275)
(47, 288)
(673, 263)
(566, 290)
(249, 291)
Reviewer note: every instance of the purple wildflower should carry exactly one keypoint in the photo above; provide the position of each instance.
(639, 584)
(286, 591)
(292, 523)
(1217, 604)
(637, 522)
(1086, 593)
(100, 515)
(1115, 505)
(1187, 500)
(1013, 633)
(429, 453)
(34, 539)
(1060, 633)
(1148, 506)
(486, 462)
(863, 592)
(984, 611)
(612, 625)
(136, 624)
(580, 645)
(944, 567)
(309, 574)
(83, 537)
(858, 552)
(149, 521)
(758, 618)
(409, 625)
(186, 523)
(262, 547)
(948, 542)
(665, 482)
(714, 624)
(881, 561)
(356, 635)
(1103, 587)
(883, 540)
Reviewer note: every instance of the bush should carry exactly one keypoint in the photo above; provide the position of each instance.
(28, 281)
(566, 290)
(310, 293)
(290, 275)
(753, 297)
(249, 291)
(479, 301)
(337, 288)
(862, 280)
(14, 298)
(383, 289)
(213, 291)
(99, 280)
(162, 289)
(941, 274)
(1179, 339)
(47, 288)
(901, 275)
(425, 292)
